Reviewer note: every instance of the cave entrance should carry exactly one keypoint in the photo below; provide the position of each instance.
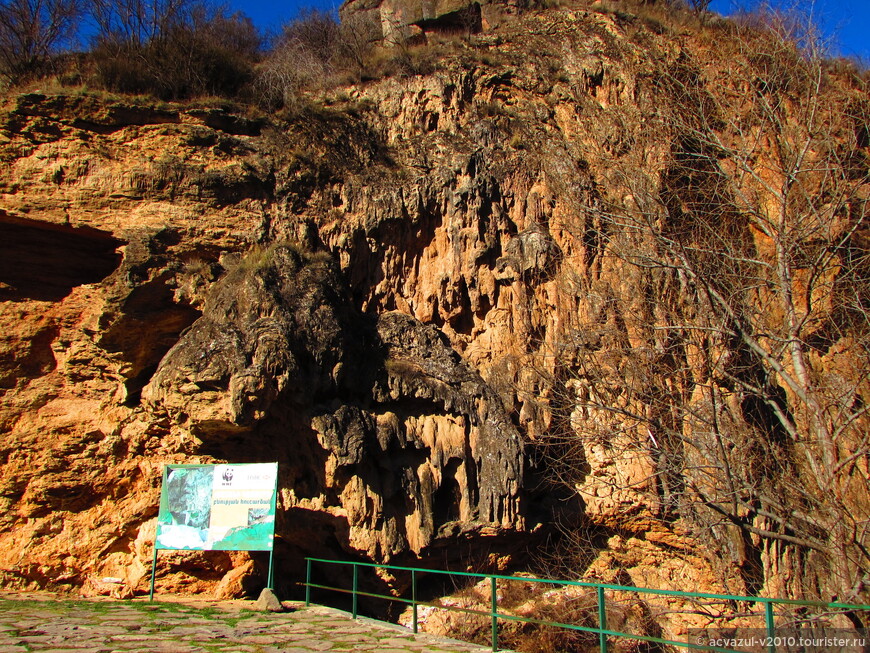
(45, 261)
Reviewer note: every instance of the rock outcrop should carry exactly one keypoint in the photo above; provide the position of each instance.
(376, 423)
(398, 22)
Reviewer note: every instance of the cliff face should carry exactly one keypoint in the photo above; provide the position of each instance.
(141, 327)
(386, 293)
(377, 423)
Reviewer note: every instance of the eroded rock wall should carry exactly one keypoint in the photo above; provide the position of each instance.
(123, 351)
(458, 200)
(387, 294)
(376, 422)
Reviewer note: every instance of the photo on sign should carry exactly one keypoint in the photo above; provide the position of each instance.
(185, 521)
(257, 515)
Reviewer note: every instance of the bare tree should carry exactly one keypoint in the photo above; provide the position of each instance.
(746, 383)
(31, 31)
(137, 22)
(700, 6)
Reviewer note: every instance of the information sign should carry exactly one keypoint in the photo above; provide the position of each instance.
(218, 507)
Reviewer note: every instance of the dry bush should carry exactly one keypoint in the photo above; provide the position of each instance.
(781, 27)
(205, 54)
(541, 601)
(405, 60)
(538, 638)
(314, 52)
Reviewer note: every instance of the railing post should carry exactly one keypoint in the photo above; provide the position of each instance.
(769, 627)
(355, 587)
(602, 621)
(414, 597)
(494, 611)
(307, 582)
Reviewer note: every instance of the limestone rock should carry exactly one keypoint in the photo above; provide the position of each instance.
(380, 425)
(273, 328)
(268, 602)
(398, 21)
(238, 583)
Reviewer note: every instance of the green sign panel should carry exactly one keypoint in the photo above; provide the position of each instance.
(218, 507)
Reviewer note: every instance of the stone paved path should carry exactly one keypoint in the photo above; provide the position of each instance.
(52, 625)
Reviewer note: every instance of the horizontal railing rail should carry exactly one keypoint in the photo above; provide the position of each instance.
(767, 603)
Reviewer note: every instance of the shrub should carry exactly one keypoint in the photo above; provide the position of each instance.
(203, 54)
(313, 52)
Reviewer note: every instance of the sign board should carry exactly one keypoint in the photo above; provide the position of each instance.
(218, 507)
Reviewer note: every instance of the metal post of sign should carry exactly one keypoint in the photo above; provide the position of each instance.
(164, 475)
(270, 578)
(153, 572)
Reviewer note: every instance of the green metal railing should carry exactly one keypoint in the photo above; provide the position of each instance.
(601, 630)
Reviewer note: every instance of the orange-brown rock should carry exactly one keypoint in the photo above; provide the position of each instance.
(394, 294)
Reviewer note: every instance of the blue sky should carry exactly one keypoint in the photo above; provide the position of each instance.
(846, 22)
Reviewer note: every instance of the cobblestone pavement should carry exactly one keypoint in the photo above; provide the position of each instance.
(54, 625)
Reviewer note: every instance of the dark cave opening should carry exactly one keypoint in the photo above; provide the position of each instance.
(45, 261)
(447, 497)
